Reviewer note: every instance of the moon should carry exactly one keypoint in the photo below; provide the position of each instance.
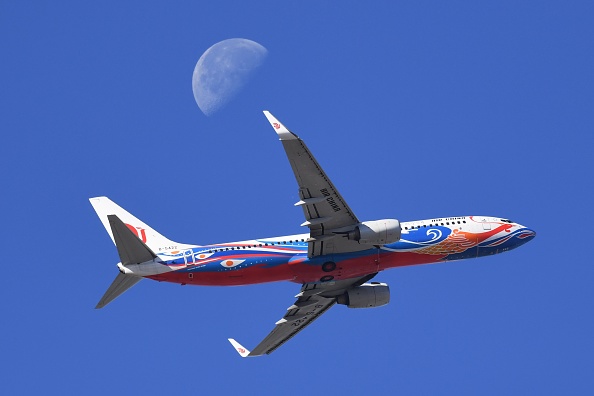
(223, 70)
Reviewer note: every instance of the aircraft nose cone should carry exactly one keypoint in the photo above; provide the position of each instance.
(525, 234)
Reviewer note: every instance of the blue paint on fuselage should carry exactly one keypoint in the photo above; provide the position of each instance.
(421, 237)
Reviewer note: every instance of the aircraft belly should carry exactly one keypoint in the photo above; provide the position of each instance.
(336, 267)
(233, 277)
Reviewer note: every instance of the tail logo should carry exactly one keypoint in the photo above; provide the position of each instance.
(276, 125)
(139, 232)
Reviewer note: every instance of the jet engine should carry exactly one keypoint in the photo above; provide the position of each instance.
(368, 295)
(377, 232)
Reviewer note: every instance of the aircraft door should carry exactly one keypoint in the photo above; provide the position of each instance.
(188, 257)
(486, 224)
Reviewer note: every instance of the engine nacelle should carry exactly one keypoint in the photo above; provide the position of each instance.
(368, 295)
(377, 232)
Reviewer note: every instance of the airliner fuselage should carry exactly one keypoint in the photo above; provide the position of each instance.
(285, 258)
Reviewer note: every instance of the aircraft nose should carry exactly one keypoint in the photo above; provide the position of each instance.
(525, 234)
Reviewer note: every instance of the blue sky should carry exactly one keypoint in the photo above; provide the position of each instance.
(415, 109)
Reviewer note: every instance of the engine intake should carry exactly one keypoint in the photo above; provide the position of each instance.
(368, 295)
(377, 232)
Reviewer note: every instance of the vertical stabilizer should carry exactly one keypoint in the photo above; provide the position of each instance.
(105, 207)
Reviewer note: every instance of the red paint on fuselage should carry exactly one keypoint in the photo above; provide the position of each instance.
(299, 271)
(259, 273)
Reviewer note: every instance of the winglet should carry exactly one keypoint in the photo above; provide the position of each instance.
(281, 130)
(239, 348)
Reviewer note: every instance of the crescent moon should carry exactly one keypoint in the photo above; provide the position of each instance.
(223, 70)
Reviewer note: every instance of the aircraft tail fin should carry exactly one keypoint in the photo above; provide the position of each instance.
(121, 283)
(151, 238)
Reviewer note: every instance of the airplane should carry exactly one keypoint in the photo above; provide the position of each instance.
(334, 262)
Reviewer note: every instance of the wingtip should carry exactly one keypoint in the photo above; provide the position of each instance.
(281, 130)
(239, 348)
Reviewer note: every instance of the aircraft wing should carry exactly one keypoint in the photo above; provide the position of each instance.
(324, 208)
(313, 300)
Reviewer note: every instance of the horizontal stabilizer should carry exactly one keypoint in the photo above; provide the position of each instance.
(131, 249)
(121, 283)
